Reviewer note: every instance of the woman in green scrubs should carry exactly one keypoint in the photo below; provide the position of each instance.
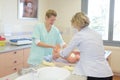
(45, 38)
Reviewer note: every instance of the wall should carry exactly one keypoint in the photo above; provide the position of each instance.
(9, 21)
(0, 10)
(65, 9)
(114, 59)
(9, 17)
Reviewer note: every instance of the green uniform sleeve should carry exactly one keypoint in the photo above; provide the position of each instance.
(36, 33)
(59, 38)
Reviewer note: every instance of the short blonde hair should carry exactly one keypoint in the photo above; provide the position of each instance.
(80, 20)
(50, 13)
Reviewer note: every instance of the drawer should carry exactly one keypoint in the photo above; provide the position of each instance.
(10, 70)
(1, 60)
(14, 54)
(11, 62)
(11, 55)
(2, 71)
(26, 55)
(11, 58)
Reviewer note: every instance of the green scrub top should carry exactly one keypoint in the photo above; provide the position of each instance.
(52, 37)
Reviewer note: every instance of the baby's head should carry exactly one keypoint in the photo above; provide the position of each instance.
(74, 57)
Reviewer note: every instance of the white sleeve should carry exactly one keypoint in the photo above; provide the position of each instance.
(72, 45)
(62, 44)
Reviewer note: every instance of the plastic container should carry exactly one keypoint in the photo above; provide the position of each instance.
(2, 41)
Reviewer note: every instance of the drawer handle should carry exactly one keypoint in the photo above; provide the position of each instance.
(15, 52)
(15, 69)
(15, 61)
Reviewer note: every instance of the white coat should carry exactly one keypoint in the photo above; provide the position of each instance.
(92, 59)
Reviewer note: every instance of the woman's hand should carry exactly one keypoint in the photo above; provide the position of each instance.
(56, 52)
(56, 56)
(64, 46)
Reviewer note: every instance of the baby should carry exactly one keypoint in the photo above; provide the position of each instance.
(73, 57)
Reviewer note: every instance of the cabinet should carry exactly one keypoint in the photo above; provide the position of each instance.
(13, 61)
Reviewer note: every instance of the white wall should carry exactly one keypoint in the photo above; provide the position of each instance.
(9, 16)
(65, 9)
(0, 14)
(0, 10)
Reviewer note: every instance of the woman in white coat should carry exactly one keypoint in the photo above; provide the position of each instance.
(92, 63)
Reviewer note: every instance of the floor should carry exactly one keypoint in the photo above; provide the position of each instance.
(116, 78)
(13, 76)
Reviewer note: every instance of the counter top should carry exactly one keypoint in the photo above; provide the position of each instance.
(8, 48)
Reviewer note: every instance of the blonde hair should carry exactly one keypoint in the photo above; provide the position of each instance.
(50, 13)
(80, 20)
